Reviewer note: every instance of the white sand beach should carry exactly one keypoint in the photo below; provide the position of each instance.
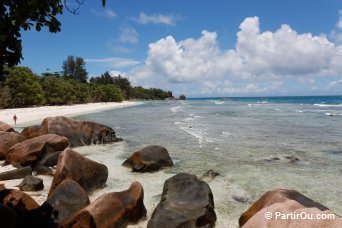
(37, 114)
(27, 116)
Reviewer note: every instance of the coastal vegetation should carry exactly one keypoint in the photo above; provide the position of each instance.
(21, 87)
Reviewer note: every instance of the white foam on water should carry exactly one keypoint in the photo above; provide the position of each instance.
(328, 105)
(219, 102)
(300, 111)
(176, 109)
(278, 109)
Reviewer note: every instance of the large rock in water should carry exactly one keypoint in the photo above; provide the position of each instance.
(87, 173)
(7, 140)
(115, 209)
(186, 202)
(30, 151)
(68, 198)
(149, 159)
(286, 202)
(79, 133)
(5, 127)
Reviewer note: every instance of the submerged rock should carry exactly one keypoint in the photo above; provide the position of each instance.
(286, 202)
(115, 209)
(186, 202)
(30, 151)
(87, 173)
(79, 133)
(149, 159)
(30, 183)
(209, 175)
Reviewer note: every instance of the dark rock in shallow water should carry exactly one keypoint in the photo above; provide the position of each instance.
(79, 133)
(30, 183)
(68, 198)
(115, 209)
(291, 158)
(186, 202)
(284, 158)
(209, 175)
(7, 140)
(16, 174)
(149, 159)
(240, 199)
(287, 202)
(87, 173)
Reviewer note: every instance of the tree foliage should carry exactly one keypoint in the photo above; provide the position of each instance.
(25, 87)
(74, 68)
(23, 15)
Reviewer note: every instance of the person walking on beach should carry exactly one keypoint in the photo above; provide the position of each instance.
(15, 118)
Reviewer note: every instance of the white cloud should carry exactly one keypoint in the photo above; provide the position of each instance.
(155, 19)
(108, 13)
(335, 84)
(114, 62)
(257, 56)
(129, 35)
(336, 34)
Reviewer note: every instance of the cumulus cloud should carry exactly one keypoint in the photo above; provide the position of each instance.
(336, 34)
(129, 35)
(114, 62)
(144, 19)
(108, 13)
(279, 55)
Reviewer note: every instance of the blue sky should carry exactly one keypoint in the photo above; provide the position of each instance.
(200, 47)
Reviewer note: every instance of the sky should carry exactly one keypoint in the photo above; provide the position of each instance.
(202, 48)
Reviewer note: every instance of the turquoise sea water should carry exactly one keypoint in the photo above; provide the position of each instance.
(249, 141)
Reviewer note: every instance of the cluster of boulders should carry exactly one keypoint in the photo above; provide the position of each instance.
(186, 200)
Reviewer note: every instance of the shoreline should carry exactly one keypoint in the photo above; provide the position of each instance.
(33, 115)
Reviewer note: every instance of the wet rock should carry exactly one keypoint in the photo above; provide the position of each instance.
(87, 173)
(32, 150)
(7, 140)
(115, 209)
(79, 133)
(30, 183)
(149, 159)
(286, 202)
(291, 158)
(186, 202)
(16, 174)
(68, 198)
(240, 199)
(209, 175)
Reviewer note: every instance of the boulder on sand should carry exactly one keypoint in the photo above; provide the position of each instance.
(186, 201)
(17, 199)
(16, 173)
(30, 151)
(79, 133)
(68, 198)
(267, 211)
(30, 183)
(149, 159)
(87, 173)
(115, 209)
(5, 127)
(7, 140)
